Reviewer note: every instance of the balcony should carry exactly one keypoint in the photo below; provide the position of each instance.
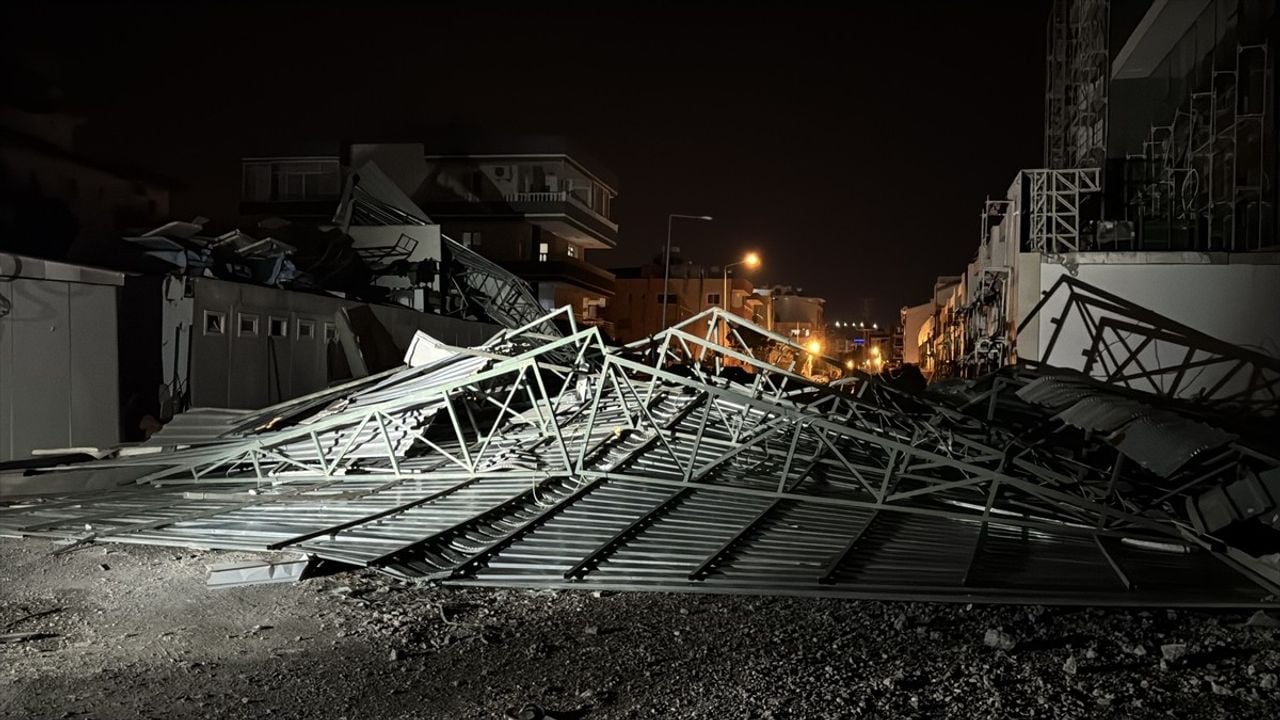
(566, 270)
(562, 213)
(551, 190)
(559, 197)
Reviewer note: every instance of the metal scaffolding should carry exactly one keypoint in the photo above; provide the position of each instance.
(1203, 179)
(1077, 78)
(684, 463)
(1056, 197)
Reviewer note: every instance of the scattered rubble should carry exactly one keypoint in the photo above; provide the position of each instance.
(126, 647)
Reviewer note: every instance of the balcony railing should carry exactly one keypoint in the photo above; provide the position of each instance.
(559, 197)
(535, 197)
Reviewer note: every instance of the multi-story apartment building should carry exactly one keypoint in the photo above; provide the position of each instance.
(537, 206)
(636, 312)
(1158, 192)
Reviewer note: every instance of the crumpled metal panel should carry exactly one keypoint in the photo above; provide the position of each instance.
(1164, 442)
(1053, 392)
(1157, 439)
(1102, 413)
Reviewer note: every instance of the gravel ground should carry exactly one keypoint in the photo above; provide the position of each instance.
(134, 633)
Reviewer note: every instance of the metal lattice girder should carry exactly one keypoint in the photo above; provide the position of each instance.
(1137, 348)
(1055, 207)
(555, 461)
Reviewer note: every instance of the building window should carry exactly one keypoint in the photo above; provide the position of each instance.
(543, 250)
(278, 327)
(248, 326)
(306, 329)
(330, 332)
(671, 299)
(471, 239)
(215, 323)
(573, 251)
(291, 179)
(713, 298)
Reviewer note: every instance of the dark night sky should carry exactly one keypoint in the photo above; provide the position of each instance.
(851, 147)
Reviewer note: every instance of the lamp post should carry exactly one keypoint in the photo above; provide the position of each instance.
(666, 261)
(751, 260)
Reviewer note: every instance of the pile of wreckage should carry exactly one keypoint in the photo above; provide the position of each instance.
(546, 458)
(327, 257)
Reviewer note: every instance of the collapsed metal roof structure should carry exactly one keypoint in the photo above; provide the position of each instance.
(689, 463)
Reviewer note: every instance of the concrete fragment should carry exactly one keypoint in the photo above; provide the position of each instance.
(1173, 651)
(1261, 619)
(999, 640)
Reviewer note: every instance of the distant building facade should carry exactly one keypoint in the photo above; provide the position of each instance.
(788, 311)
(536, 206)
(636, 312)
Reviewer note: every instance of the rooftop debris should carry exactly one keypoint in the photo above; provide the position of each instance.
(688, 463)
(326, 258)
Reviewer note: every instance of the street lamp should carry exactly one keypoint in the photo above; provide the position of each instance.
(666, 261)
(751, 260)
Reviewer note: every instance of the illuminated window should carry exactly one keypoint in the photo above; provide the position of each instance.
(278, 327)
(543, 250)
(248, 326)
(573, 251)
(215, 323)
(306, 329)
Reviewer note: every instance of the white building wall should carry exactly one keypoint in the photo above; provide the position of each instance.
(59, 384)
(237, 368)
(913, 322)
(1234, 298)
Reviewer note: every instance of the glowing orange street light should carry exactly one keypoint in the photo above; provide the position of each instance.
(814, 347)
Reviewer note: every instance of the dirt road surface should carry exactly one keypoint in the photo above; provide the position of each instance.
(132, 632)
